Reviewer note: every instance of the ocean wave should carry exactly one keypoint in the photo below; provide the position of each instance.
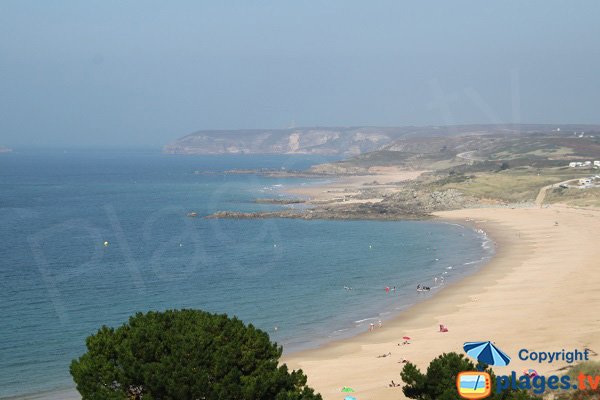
(360, 321)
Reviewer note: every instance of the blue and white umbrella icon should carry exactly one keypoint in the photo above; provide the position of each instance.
(487, 353)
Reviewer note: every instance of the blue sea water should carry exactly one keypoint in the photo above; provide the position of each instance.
(59, 282)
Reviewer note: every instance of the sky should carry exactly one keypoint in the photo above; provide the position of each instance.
(142, 73)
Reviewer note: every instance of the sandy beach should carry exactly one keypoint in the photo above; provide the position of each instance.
(540, 292)
(381, 178)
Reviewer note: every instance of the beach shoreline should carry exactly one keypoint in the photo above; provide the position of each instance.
(345, 188)
(517, 299)
(511, 308)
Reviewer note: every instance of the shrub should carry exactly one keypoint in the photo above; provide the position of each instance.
(185, 354)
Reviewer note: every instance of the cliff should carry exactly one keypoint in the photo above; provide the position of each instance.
(322, 141)
(352, 141)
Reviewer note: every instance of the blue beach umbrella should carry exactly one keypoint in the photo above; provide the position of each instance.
(487, 353)
(349, 398)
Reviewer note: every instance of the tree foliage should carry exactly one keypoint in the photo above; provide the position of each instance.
(439, 382)
(185, 354)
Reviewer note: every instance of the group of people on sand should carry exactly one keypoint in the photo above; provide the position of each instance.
(403, 361)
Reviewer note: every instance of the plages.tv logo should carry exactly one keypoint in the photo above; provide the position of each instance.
(478, 384)
(474, 385)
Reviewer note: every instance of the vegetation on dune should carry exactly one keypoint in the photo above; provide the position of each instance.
(513, 184)
(185, 354)
(575, 197)
(509, 187)
(590, 368)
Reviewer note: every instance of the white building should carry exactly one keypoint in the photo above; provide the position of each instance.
(572, 164)
(597, 163)
(585, 181)
(587, 164)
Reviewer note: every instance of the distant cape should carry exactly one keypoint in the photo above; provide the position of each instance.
(346, 141)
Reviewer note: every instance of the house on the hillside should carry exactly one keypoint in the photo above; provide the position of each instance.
(585, 181)
(597, 163)
(572, 164)
(587, 164)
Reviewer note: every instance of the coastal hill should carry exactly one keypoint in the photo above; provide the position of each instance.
(473, 170)
(416, 175)
(347, 141)
(477, 151)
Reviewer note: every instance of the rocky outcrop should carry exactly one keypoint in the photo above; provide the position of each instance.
(426, 202)
(370, 211)
(280, 201)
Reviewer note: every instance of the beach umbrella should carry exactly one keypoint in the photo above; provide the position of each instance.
(346, 389)
(487, 353)
(349, 398)
(405, 338)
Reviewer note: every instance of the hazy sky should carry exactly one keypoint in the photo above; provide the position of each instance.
(145, 72)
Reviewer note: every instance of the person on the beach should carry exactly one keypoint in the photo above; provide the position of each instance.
(379, 324)
(371, 327)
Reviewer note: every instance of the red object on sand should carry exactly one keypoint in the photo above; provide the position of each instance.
(405, 338)
(387, 289)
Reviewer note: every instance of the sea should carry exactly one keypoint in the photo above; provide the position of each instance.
(89, 238)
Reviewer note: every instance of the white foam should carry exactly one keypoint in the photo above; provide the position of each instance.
(360, 321)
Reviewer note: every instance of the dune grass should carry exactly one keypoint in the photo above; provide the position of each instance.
(575, 197)
(509, 187)
(520, 184)
(591, 368)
